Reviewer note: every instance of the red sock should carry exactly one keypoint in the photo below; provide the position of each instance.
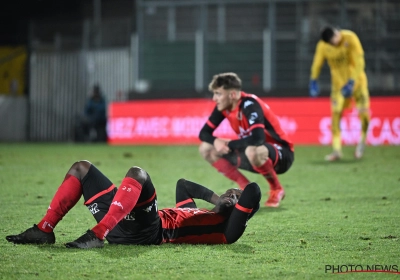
(67, 195)
(230, 171)
(268, 171)
(124, 201)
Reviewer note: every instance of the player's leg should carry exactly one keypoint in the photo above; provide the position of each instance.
(224, 164)
(270, 160)
(361, 97)
(248, 204)
(337, 104)
(66, 196)
(135, 200)
(98, 192)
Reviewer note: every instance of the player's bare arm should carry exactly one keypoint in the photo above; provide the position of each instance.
(221, 146)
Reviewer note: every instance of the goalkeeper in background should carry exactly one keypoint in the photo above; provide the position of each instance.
(345, 56)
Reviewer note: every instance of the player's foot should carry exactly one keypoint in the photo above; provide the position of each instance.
(334, 156)
(32, 235)
(87, 241)
(275, 197)
(359, 152)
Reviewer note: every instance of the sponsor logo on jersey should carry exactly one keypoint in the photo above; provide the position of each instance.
(130, 217)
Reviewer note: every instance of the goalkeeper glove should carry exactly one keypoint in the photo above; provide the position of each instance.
(347, 90)
(313, 88)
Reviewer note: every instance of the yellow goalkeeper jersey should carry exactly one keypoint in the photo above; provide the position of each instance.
(346, 61)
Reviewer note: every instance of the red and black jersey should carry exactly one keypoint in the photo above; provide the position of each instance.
(250, 113)
(186, 223)
(192, 225)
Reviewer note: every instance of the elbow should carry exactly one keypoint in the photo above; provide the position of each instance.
(259, 142)
(203, 136)
(257, 138)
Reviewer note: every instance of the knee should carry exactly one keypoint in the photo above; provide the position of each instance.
(180, 185)
(138, 174)
(80, 168)
(181, 182)
(251, 154)
(205, 150)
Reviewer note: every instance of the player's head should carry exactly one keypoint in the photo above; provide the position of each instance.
(331, 35)
(226, 90)
(226, 81)
(228, 200)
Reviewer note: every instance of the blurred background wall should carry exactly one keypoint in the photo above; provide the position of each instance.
(171, 49)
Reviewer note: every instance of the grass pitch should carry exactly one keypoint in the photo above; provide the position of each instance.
(339, 214)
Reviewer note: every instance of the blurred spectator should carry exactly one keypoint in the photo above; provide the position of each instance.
(91, 126)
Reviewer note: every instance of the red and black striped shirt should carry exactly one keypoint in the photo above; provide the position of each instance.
(192, 225)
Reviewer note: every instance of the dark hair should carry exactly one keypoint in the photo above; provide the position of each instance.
(327, 33)
(226, 81)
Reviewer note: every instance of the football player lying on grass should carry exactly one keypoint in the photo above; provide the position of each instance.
(129, 214)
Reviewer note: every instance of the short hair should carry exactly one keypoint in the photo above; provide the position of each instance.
(228, 80)
(327, 33)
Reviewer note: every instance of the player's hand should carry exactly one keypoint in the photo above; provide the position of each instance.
(313, 88)
(221, 146)
(347, 90)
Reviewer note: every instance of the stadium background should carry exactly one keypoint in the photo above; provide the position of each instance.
(143, 51)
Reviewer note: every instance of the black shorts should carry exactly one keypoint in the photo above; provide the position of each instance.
(282, 158)
(141, 226)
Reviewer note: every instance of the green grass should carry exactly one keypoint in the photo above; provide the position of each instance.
(338, 213)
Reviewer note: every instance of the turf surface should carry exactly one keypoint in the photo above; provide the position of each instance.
(335, 215)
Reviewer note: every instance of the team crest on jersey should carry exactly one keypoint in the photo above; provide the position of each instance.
(247, 103)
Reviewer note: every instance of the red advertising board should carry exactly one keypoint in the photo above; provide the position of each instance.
(305, 120)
